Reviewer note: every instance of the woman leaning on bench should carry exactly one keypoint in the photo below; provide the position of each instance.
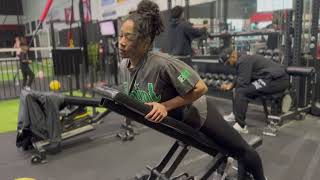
(172, 88)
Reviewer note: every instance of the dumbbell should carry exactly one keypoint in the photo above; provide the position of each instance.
(222, 77)
(276, 59)
(261, 52)
(230, 77)
(214, 84)
(269, 52)
(226, 82)
(267, 57)
(218, 83)
(205, 80)
(202, 75)
(211, 82)
(215, 76)
(208, 75)
(276, 52)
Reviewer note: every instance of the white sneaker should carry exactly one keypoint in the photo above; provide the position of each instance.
(237, 127)
(229, 118)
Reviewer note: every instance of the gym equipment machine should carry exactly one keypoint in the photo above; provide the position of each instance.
(47, 119)
(281, 103)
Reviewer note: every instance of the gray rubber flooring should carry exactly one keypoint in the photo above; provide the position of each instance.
(293, 155)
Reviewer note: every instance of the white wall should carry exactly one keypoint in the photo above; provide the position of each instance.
(100, 12)
(195, 2)
(33, 8)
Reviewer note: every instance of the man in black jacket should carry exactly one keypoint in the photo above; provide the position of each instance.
(181, 33)
(256, 76)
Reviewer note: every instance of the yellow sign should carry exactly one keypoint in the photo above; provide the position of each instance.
(24, 178)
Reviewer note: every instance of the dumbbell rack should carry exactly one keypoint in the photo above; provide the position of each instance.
(214, 74)
(274, 55)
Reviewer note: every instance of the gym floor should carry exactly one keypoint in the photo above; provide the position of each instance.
(293, 155)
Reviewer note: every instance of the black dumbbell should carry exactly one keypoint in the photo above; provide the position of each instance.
(230, 77)
(205, 80)
(202, 75)
(215, 76)
(211, 82)
(214, 84)
(261, 52)
(276, 52)
(218, 83)
(269, 52)
(222, 77)
(267, 57)
(276, 59)
(208, 75)
(226, 82)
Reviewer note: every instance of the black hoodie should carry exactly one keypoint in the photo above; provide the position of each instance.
(180, 35)
(253, 67)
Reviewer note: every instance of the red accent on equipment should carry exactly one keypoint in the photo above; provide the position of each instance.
(45, 11)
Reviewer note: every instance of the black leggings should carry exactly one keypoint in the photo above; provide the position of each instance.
(243, 95)
(227, 137)
(28, 75)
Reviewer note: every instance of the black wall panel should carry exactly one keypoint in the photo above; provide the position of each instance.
(11, 7)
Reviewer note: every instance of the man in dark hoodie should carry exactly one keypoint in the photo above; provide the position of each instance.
(256, 76)
(181, 33)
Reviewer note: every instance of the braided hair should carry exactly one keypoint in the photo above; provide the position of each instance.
(147, 20)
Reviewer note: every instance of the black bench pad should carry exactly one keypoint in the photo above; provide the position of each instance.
(131, 108)
(300, 71)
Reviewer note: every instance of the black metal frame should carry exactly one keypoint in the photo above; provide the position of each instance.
(84, 36)
(297, 56)
(219, 161)
(288, 38)
(212, 15)
(187, 10)
(296, 111)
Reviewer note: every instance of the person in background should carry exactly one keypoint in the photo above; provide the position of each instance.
(203, 40)
(256, 76)
(181, 33)
(22, 54)
(15, 45)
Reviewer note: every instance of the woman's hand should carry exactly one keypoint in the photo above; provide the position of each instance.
(158, 112)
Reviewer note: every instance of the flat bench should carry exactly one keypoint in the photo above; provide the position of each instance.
(279, 113)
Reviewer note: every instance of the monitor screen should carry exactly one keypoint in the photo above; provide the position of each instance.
(107, 28)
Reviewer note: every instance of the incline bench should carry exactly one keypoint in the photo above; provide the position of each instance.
(185, 135)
